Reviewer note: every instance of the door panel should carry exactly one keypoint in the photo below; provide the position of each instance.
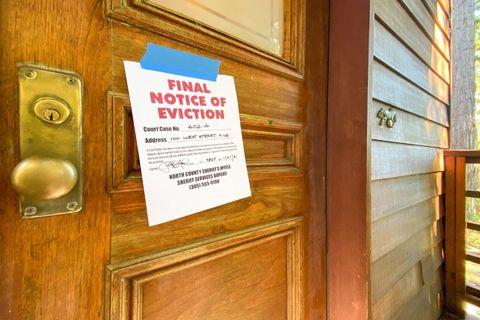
(252, 274)
(272, 107)
(250, 259)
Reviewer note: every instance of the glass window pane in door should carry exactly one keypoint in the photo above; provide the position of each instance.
(257, 22)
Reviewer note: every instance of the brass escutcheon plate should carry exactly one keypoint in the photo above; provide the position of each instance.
(50, 123)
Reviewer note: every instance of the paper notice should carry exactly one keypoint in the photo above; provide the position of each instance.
(189, 142)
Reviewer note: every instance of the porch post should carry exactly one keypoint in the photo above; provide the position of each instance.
(347, 160)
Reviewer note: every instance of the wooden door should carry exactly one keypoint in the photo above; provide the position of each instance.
(259, 258)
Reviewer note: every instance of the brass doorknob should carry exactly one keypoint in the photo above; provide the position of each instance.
(43, 178)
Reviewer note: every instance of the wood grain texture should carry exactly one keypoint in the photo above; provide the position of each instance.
(52, 268)
(393, 14)
(391, 195)
(389, 232)
(390, 268)
(426, 305)
(273, 102)
(408, 129)
(393, 302)
(462, 115)
(146, 16)
(432, 22)
(469, 155)
(224, 288)
(460, 267)
(450, 235)
(270, 101)
(271, 146)
(440, 14)
(123, 162)
(259, 92)
(393, 53)
(435, 5)
(391, 89)
(227, 273)
(315, 258)
(427, 24)
(411, 75)
(347, 160)
(401, 296)
(132, 237)
(395, 160)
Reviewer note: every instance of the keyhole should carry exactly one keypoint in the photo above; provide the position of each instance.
(51, 110)
(51, 115)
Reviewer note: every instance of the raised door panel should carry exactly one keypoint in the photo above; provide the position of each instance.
(254, 274)
(194, 267)
(271, 146)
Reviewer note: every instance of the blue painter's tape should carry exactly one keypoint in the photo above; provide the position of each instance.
(178, 62)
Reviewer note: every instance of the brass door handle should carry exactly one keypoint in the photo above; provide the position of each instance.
(49, 178)
(43, 178)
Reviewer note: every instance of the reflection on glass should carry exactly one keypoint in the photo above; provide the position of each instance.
(257, 22)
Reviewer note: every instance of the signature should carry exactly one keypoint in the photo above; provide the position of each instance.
(165, 166)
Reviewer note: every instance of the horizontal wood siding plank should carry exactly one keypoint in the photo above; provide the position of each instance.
(439, 4)
(393, 302)
(441, 17)
(445, 4)
(394, 54)
(390, 160)
(390, 268)
(394, 90)
(398, 298)
(389, 232)
(438, 253)
(410, 76)
(408, 129)
(426, 304)
(415, 308)
(432, 22)
(391, 195)
(435, 6)
(396, 18)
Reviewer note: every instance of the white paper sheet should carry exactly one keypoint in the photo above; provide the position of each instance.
(189, 142)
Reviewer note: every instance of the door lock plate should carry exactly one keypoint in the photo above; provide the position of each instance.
(50, 116)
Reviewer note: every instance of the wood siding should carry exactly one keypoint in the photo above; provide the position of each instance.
(410, 74)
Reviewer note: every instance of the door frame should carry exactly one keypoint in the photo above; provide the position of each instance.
(316, 80)
(348, 158)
